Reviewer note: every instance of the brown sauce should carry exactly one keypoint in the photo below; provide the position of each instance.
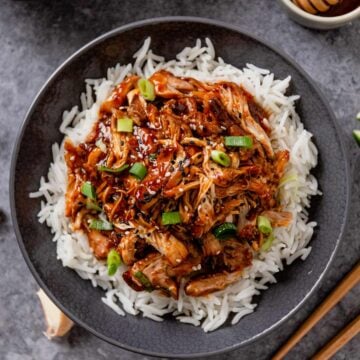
(342, 8)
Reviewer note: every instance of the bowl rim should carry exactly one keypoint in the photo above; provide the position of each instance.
(331, 20)
(48, 82)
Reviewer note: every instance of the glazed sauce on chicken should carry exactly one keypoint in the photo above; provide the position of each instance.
(173, 137)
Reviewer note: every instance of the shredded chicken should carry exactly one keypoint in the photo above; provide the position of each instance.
(207, 284)
(173, 136)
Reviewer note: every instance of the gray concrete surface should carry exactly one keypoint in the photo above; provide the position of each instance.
(36, 36)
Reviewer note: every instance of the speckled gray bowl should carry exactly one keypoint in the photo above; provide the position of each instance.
(76, 297)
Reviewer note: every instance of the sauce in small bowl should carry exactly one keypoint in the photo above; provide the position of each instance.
(318, 14)
(342, 8)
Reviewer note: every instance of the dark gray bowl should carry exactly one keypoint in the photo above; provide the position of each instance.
(77, 298)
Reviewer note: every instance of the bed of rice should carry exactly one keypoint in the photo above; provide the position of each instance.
(297, 187)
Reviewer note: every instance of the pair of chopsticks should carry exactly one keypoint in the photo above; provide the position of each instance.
(351, 330)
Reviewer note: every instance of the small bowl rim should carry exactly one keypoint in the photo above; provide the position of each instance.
(340, 19)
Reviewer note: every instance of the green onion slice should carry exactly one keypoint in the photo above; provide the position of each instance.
(171, 218)
(264, 225)
(358, 116)
(88, 190)
(268, 242)
(220, 157)
(138, 170)
(112, 170)
(152, 157)
(356, 135)
(225, 230)
(125, 124)
(239, 141)
(147, 89)
(113, 261)
(144, 280)
(98, 224)
(288, 178)
(92, 205)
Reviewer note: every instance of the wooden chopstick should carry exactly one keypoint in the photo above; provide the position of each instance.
(350, 280)
(339, 340)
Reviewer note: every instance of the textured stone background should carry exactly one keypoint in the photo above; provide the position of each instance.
(37, 36)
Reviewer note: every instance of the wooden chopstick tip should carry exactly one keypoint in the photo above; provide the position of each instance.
(346, 284)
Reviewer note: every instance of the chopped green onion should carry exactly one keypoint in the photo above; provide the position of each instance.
(100, 225)
(152, 157)
(225, 230)
(92, 205)
(113, 170)
(144, 280)
(138, 170)
(125, 124)
(147, 89)
(239, 141)
(268, 242)
(171, 218)
(358, 116)
(88, 190)
(288, 178)
(220, 157)
(356, 134)
(113, 261)
(264, 225)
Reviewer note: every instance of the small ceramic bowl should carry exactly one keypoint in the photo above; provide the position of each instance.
(316, 21)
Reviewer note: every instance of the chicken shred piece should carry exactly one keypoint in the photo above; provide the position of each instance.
(208, 284)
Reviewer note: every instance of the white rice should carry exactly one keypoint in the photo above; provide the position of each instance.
(287, 133)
